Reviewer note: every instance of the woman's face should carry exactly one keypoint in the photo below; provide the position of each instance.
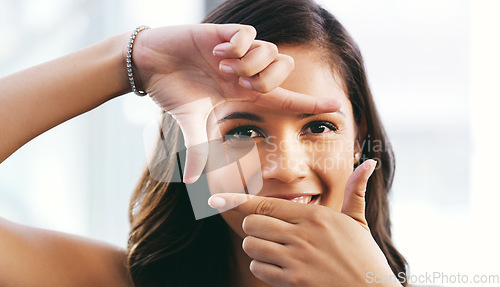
(300, 157)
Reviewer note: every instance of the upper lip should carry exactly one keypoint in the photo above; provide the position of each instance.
(289, 196)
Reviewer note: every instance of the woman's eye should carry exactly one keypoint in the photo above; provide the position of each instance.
(319, 127)
(242, 133)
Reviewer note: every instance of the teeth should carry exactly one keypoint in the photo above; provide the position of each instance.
(302, 199)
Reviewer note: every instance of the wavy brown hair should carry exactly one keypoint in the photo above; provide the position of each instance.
(167, 246)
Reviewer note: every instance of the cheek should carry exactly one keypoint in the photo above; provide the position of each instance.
(225, 180)
(234, 169)
(334, 169)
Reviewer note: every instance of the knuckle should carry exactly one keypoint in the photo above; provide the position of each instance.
(243, 69)
(303, 243)
(315, 107)
(264, 207)
(317, 216)
(289, 60)
(262, 86)
(239, 51)
(295, 280)
(250, 30)
(271, 48)
(286, 103)
(297, 234)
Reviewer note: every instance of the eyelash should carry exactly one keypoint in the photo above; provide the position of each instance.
(242, 127)
(329, 125)
(246, 127)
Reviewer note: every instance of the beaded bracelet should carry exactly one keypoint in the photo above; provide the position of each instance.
(129, 61)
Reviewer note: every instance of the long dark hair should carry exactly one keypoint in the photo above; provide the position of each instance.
(167, 246)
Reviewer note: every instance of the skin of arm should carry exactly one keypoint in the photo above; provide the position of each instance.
(39, 98)
(37, 257)
(33, 101)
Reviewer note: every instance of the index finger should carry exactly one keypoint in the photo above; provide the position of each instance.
(246, 204)
(283, 99)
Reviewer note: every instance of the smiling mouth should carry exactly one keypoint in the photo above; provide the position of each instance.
(306, 199)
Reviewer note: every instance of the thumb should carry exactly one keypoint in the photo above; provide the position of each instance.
(192, 120)
(354, 196)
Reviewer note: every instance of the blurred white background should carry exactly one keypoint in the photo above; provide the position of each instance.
(432, 66)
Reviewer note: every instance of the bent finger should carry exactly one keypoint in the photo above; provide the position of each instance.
(238, 39)
(272, 76)
(260, 55)
(268, 228)
(269, 273)
(265, 251)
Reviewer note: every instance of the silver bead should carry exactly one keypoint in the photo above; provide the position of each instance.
(129, 61)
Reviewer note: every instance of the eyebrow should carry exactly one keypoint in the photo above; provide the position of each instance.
(241, 115)
(303, 116)
(256, 118)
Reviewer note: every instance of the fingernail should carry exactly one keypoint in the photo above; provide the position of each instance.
(220, 49)
(219, 53)
(372, 163)
(245, 84)
(226, 69)
(334, 104)
(189, 180)
(371, 166)
(216, 202)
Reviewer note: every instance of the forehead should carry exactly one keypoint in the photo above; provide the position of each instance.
(311, 76)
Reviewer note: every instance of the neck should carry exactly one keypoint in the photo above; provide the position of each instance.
(244, 277)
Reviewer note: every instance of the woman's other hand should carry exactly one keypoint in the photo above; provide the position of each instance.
(293, 244)
(188, 70)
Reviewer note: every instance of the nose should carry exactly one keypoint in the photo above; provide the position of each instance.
(285, 160)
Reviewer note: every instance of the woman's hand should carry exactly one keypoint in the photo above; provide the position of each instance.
(293, 244)
(188, 70)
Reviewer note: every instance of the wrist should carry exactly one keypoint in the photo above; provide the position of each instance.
(115, 49)
(134, 81)
(113, 62)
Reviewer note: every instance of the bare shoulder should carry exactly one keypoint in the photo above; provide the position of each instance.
(37, 257)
